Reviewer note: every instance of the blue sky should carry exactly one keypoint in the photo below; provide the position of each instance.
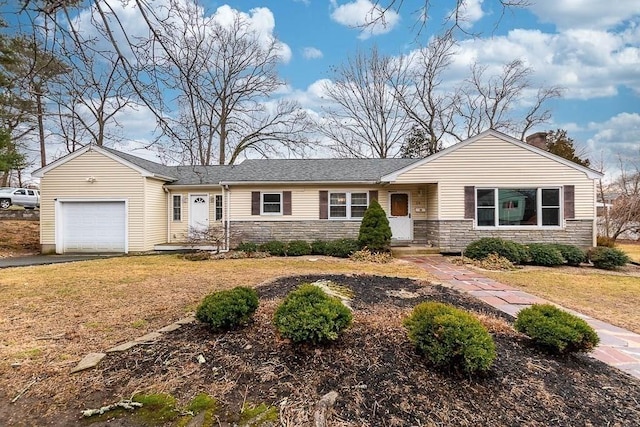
(591, 48)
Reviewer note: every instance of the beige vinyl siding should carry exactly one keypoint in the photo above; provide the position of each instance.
(492, 162)
(305, 200)
(179, 230)
(113, 180)
(155, 213)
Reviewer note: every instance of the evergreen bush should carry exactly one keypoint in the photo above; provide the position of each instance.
(450, 337)
(375, 232)
(225, 310)
(274, 247)
(248, 247)
(480, 249)
(298, 248)
(572, 254)
(608, 258)
(545, 254)
(319, 247)
(309, 315)
(341, 248)
(556, 330)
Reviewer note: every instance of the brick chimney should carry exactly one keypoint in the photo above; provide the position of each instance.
(538, 139)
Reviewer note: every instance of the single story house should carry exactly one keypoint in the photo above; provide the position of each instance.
(98, 199)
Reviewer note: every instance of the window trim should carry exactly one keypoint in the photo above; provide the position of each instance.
(217, 197)
(348, 205)
(538, 226)
(281, 203)
(173, 208)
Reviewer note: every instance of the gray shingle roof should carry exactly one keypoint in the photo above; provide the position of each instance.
(274, 170)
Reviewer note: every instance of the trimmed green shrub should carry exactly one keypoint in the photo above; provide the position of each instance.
(249, 247)
(572, 254)
(298, 248)
(319, 247)
(375, 233)
(545, 254)
(309, 315)
(450, 337)
(514, 252)
(556, 330)
(341, 248)
(274, 247)
(608, 258)
(225, 310)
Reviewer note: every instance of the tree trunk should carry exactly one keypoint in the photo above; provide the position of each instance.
(43, 150)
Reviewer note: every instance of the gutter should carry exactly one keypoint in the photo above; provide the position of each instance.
(222, 183)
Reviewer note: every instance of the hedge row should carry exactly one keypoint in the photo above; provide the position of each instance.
(546, 254)
(340, 248)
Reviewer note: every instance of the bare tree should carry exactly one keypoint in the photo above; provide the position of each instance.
(623, 197)
(488, 102)
(225, 74)
(366, 118)
(419, 92)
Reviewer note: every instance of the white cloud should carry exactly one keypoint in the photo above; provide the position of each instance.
(593, 14)
(470, 12)
(312, 53)
(615, 140)
(369, 17)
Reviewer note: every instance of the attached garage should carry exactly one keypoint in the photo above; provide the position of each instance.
(91, 226)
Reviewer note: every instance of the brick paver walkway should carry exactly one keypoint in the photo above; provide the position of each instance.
(618, 347)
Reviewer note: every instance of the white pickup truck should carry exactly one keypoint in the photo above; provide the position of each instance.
(26, 197)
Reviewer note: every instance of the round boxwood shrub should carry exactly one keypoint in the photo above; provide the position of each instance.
(573, 255)
(298, 248)
(309, 315)
(341, 248)
(274, 247)
(248, 247)
(608, 258)
(545, 254)
(556, 330)
(450, 337)
(480, 249)
(319, 247)
(225, 310)
(375, 232)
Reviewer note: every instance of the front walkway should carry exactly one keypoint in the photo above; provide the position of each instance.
(618, 347)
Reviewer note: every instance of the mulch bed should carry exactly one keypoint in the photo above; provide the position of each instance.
(380, 379)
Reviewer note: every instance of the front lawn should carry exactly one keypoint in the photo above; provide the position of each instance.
(612, 297)
(632, 249)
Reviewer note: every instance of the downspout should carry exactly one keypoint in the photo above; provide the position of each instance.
(169, 210)
(227, 227)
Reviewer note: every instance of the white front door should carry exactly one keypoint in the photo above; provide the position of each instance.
(400, 216)
(198, 213)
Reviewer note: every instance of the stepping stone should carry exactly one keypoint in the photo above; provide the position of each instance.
(170, 328)
(151, 336)
(89, 361)
(122, 347)
(187, 320)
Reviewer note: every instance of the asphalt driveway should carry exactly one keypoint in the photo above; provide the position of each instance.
(25, 261)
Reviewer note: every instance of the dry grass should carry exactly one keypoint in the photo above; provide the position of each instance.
(613, 298)
(19, 237)
(630, 248)
(50, 316)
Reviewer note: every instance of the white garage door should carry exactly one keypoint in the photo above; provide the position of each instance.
(93, 226)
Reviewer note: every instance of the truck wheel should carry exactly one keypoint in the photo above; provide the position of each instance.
(5, 203)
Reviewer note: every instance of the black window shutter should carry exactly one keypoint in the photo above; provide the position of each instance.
(286, 203)
(324, 204)
(255, 203)
(569, 201)
(469, 202)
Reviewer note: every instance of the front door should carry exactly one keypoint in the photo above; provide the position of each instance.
(400, 216)
(198, 213)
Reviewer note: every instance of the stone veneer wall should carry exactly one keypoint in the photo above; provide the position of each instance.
(420, 231)
(20, 214)
(454, 236)
(264, 231)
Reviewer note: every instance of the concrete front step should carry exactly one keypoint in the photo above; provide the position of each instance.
(399, 251)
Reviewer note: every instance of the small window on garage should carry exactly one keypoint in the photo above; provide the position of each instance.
(177, 207)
